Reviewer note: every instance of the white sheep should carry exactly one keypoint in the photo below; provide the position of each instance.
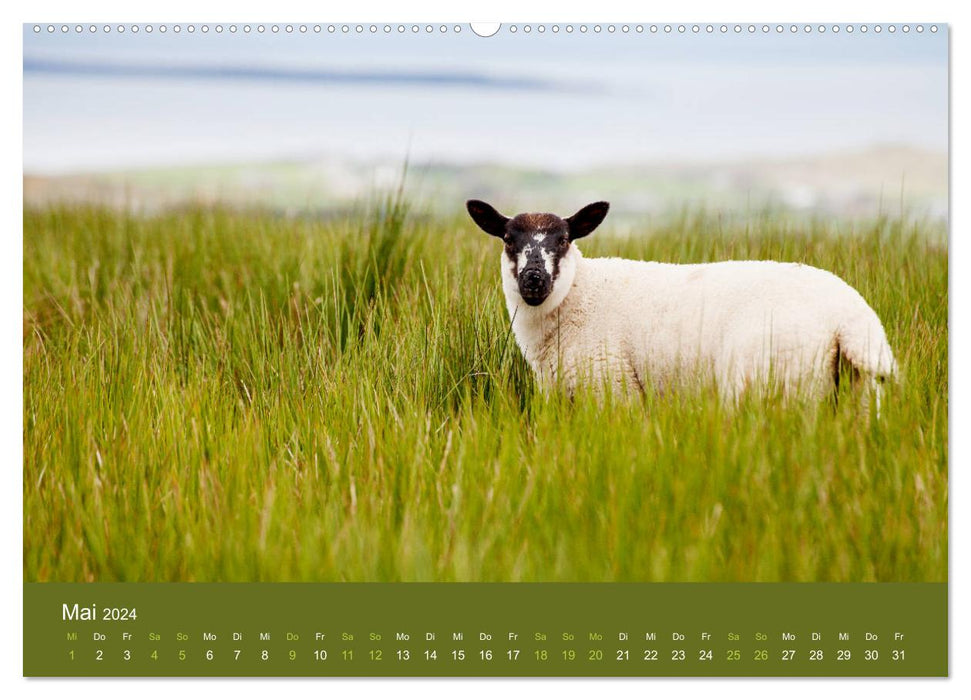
(650, 325)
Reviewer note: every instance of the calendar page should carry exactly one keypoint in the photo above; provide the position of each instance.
(436, 349)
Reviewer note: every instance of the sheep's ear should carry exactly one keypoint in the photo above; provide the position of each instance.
(487, 218)
(587, 219)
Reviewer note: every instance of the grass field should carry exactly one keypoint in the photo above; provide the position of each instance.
(220, 396)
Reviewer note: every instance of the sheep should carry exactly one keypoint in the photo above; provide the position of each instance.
(641, 325)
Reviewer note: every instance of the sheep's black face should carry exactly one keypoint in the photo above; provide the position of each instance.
(535, 244)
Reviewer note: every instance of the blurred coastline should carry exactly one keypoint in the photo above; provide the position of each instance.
(883, 180)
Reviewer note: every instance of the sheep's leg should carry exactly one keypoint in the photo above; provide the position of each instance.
(635, 375)
(867, 389)
(835, 362)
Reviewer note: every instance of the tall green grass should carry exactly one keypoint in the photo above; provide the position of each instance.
(225, 396)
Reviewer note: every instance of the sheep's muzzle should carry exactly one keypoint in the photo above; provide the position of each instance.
(534, 286)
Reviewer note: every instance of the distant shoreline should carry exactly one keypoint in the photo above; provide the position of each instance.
(868, 182)
(426, 79)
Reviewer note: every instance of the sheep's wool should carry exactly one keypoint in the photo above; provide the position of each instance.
(648, 325)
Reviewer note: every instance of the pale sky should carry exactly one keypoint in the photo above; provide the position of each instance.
(117, 101)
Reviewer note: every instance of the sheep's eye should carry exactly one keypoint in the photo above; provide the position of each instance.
(564, 243)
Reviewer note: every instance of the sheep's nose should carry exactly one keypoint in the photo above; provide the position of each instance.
(532, 279)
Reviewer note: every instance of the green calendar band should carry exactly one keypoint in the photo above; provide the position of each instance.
(485, 629)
